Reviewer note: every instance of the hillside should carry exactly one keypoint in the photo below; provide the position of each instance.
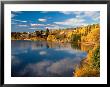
(90, 66)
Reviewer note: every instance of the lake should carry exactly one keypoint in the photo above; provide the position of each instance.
(44, 59)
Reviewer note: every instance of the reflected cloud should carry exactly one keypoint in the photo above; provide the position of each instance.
(36, 59)
(42, 52)
(63, 67)
(38, 69)
(48, 68)
(14, 60)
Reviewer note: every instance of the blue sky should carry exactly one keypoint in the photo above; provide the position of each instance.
(29, 21)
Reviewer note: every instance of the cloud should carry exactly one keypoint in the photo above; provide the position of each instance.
(61, 64)
(42, 20)
(80, 19)
(24, 21)
(20, 21)
(78, 12)
(38, 69)
(14, 20)
(94, 15)
(63, 67)
(50, 25)
(71, 12)
(15, 60)
(53, 27)
(45, 25)
(72, 22)
(32, 28)
(66, 12)
(42, 52)
(22, 25)
(82, 13)
(34, 25)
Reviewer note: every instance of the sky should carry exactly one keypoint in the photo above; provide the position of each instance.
(30, 21)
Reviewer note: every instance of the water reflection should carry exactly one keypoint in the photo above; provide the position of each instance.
(41, 58)
(76, 45)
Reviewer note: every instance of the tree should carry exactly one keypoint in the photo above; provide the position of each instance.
(41, 32)
(76, 37)
(47, 32)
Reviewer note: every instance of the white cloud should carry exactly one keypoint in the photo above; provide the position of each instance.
(78, 12)
(94, 15)
(42, 52)
(42, 20)
(15, 60)
(71, 12)
(49, 68)
(22, 25)
(72, 22)
(44, 25)
(91, 14)
(23, 21)
(37, 69)
(80, 18)
(32, 28)
(35, 25)
(14, 20)
(50, 25)
(82, 13)
(63, 66)
(53, 27)
(66, 12)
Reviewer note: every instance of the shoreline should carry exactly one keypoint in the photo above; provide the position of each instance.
(83, 43)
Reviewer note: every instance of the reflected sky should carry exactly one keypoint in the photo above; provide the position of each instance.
(44, 59)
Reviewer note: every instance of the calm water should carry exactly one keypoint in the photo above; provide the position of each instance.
(41, 58)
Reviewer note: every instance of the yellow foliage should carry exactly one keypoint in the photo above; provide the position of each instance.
(51, 38)
(69, 34)
(93, 36)
(86, 71)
